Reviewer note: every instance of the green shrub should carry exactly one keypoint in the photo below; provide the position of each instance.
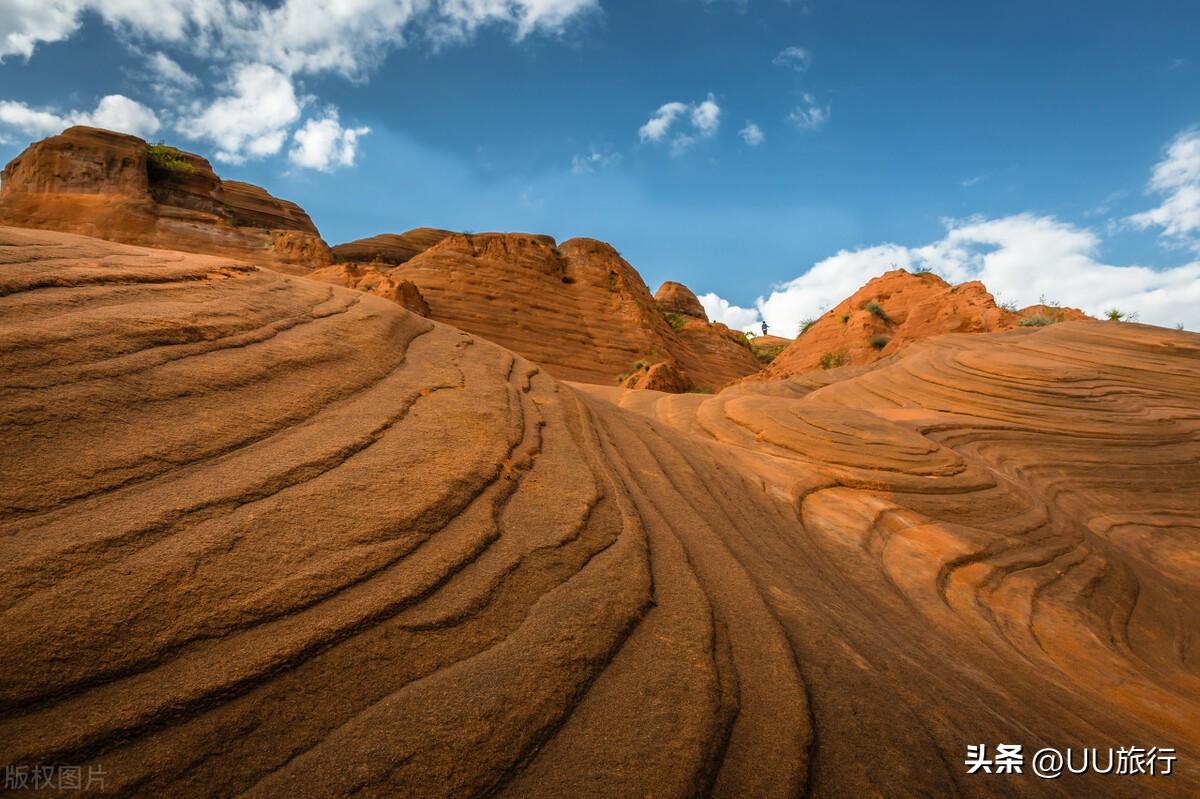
(168, 159)
(805, 325)
(879, 342)
(676, 321)
(639, 365)
(1007, 305)
(764, 356)
(877, 309)
(844, 318)
(1037, 320)
(921, 270)
(1116, 315)
(1179, 325)
(832, 360)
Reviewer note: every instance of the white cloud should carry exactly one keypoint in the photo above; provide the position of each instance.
(462, 17)
(279, 41)
(593, 161)
(660, 121)
(1020, 258)
(117, 112)
(295, 36)
(114, 112)
(323, 143)
(719, 310)
(809, 115)
(1178, 177)
(752, 134)
(681, 144)
(31, 121)
(252, 120)
(704, 118)
(796, 58)
(168, 70)
(24, 24)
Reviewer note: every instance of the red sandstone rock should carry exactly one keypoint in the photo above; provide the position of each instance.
(389, 248)
(677, 298)
(372, 280)
(110, 185)
(894, 309)
(578, 309)
(659, 377)
(264, 536)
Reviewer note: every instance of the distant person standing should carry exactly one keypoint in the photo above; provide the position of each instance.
(764, 328)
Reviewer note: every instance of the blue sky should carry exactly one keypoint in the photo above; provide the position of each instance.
(810, 144)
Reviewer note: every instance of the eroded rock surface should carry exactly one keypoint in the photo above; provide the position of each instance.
(373, 280)
(117, 187)
(389, 248)
(897, 308)
(677, 298)
(579, 309)
(265, 536)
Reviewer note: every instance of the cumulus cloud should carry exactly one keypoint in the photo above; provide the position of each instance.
(23, 25)
(1021, 258)
(809, 115)
(704, 118)
(720, 310)
(752, 134)
(323, 143)
(1177, 177)
(114, 112)
(796, 58)
(31, 121)
(252, 119)
(295, 36)
(282, 40)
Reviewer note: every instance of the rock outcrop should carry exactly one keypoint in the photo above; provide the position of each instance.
(389, 248)
(677, 298)
(372, 280)
(264, 536)
(118, 187)
(578, 309)
(895, 309)
(660, 376)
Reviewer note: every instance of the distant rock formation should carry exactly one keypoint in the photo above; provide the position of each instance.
(578, 309)
(899, 307)
(389, 248)
(677, 298)
(117, 187)
(372, 280)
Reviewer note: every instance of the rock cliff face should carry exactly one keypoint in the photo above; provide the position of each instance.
(265, 536)
(389, 248)
(117, 187)
(578, 309)
(895, 309)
